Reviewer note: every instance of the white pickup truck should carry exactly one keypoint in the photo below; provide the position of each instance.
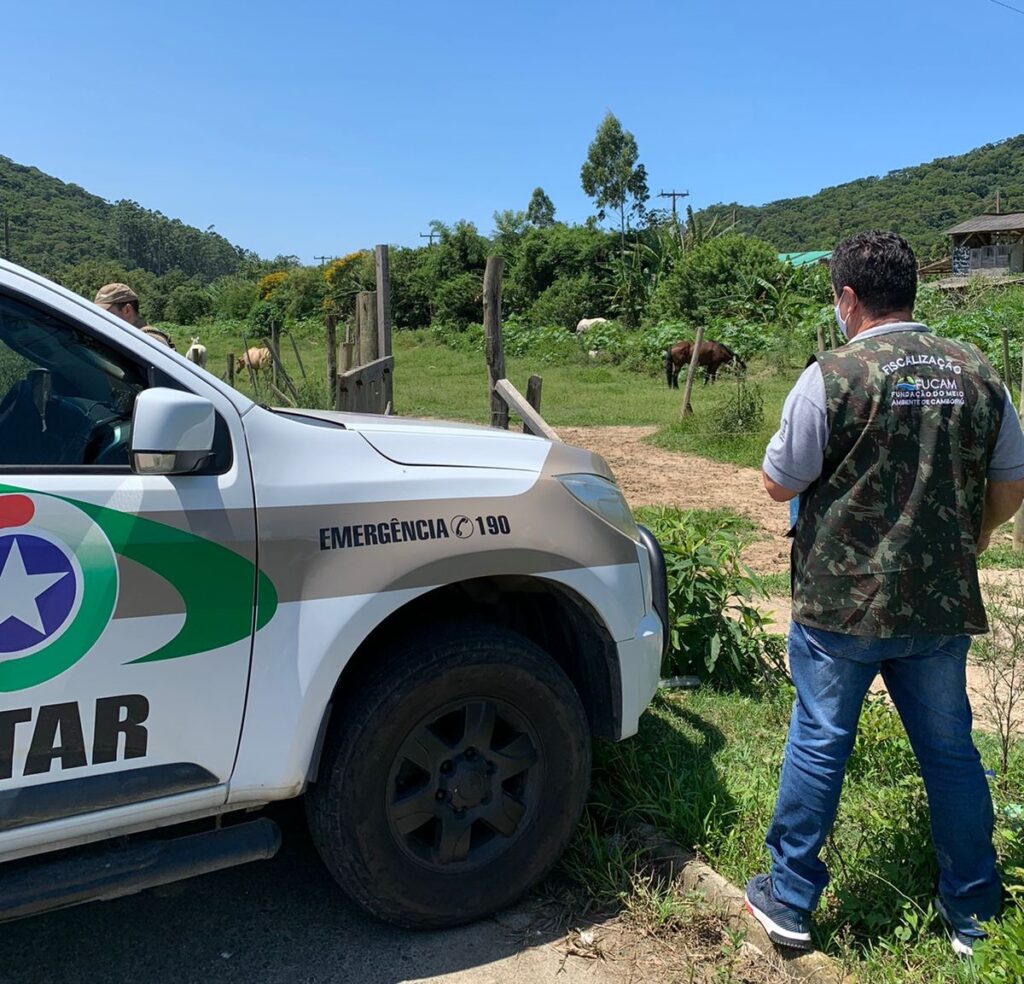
(207, 606)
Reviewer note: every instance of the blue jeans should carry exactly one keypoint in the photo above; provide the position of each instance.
(926, 678)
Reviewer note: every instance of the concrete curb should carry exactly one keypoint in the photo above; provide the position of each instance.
(670, 862)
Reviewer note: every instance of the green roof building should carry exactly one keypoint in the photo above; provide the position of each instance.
(806, 258)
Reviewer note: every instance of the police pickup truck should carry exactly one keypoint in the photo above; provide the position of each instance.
(207, 606)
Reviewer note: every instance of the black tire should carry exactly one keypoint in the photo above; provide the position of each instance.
(452, 779)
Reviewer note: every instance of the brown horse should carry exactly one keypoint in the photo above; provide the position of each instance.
(713, 355)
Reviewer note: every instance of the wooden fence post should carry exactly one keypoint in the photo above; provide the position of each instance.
(1007, 373)
(330, 324)
(1018, 519)
(382, 257)
(347, 350)
(275, 346)
(533, 387)
(821, 339)
(280, 375)
(832, 333)
(252, 372)
(687, 410)
(494, 350)
(298, 358)
(366, 303)
(229, 375)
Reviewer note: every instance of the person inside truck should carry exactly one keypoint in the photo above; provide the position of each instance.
(65, 397)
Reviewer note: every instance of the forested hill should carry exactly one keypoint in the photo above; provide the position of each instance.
(53, 225)
(919, 202)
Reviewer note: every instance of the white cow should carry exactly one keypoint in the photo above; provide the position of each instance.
(196, 353)
(587, 323)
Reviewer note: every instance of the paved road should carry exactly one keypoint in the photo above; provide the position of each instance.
(275, 921)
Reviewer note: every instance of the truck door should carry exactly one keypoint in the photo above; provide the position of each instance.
(126, 600)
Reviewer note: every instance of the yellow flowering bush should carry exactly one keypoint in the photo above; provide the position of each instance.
(270, 283)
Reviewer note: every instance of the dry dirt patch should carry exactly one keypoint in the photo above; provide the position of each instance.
(651, 476)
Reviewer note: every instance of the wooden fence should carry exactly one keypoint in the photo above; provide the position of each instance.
(365, 383)
(503, 395)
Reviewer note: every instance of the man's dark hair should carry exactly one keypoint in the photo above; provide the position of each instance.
(880, 268)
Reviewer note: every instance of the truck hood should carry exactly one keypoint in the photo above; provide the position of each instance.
(439, 443)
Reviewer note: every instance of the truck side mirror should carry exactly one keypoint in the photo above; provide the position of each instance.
(172, 432)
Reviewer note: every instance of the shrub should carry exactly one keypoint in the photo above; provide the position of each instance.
(549, 344)
(458, 301)
(716, 632)
(345, 277)
(187, 304)
(269, 284)
(234, 297)
(718, 278)
(1000, 959)
(567, 301)
(743, 411)
(469, 338)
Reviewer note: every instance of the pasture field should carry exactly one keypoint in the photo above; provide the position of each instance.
(433, 380)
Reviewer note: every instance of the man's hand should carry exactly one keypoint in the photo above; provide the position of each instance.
(1002, 500)
(778, 492)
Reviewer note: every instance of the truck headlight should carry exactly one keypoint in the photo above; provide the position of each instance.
(603, 498)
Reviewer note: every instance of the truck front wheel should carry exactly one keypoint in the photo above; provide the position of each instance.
(453, 778)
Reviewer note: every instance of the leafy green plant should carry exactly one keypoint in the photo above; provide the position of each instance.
(716, 631)
(1000, 959)
(743, 411)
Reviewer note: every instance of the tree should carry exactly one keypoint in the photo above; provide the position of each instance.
(541, 210)
(611, 175)
(722, 277)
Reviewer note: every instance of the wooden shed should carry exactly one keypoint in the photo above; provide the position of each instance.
(989, 245)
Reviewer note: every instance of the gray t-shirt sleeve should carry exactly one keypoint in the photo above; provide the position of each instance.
(1007, 464)
(795, 455)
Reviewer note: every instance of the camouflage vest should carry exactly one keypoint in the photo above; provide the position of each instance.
(885, 543)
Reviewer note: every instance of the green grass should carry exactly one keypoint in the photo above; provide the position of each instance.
(432, 380)
(1002, 556)
(702, 434)
(775, 584)
(704, 769)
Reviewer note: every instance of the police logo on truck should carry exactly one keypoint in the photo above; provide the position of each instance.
(58, 587)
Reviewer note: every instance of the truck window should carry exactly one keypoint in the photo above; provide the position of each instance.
(66, 398)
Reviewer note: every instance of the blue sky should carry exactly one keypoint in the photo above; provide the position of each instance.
(305, 128)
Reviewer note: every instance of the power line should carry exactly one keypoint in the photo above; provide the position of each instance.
(999, 3)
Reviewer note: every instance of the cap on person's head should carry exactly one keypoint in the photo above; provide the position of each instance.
(110, 294)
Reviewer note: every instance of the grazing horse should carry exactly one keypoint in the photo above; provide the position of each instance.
(256, 358)
(713, 355)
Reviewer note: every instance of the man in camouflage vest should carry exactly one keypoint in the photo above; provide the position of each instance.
(906, 453)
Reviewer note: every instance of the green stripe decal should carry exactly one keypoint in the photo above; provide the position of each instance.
(215, 583)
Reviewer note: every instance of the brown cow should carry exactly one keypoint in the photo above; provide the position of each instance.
(258, 358)
(713, 355)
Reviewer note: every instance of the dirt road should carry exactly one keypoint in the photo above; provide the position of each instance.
(650, 476)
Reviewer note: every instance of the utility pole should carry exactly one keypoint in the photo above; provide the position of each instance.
(675, 217)
(324, 259)
(997, 201)
(430, 235)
